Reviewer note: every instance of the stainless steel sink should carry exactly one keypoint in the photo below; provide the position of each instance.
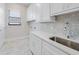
(52, 38)
(66, 42)
(74, 45)
(63, 41)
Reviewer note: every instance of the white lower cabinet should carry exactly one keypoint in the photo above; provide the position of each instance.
(41, 47)
(48, 49)
(35, 45)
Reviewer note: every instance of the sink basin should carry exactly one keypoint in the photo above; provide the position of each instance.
(63, 41)
(60, 40)
(75, 45)
(66, 42)
(52, 38)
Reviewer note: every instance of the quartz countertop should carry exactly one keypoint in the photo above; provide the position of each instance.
(45, 37)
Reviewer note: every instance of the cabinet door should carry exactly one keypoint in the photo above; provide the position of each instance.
(68, 6)
(74, 5)
(37, 42)
(48, 49)
(36, 12)
(35, 45)
(52, 9)
(45, 12)
(29, 13)
(31, 41)
(33, 12)
(56, 8)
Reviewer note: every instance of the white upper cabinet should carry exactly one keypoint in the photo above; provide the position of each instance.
(62, 8)
(29, 13)
(45, 12)
(68, 6)
(73, 5)
(39, 12)
(36, 12)
(33, 12)
(42, 11)
(56, 8)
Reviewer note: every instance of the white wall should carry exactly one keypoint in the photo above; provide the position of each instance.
(17, 31)
(2, 24)
(2, 14)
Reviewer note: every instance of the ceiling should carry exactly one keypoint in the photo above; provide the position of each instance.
(25, 4)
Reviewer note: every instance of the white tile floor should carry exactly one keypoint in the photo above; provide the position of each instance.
(15, 48)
